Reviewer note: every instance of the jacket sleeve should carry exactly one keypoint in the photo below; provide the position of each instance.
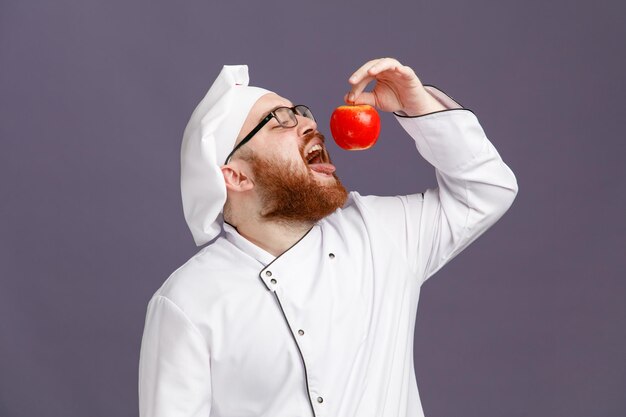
(474, 188)
(174, 364)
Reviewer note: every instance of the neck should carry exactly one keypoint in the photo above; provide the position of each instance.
(273, 237)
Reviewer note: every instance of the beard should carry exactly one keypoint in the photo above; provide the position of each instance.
(290, 195)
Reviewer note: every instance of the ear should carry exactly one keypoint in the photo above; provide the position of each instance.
(236, 179)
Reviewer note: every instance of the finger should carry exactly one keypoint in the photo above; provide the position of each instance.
(358, 75)
(383, 65)
(357, 89)
(407, 72)
(370, 71)
(364, 98)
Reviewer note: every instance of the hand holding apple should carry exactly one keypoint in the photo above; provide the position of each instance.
(397, 88)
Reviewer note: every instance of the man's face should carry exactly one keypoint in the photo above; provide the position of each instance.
(293, 177)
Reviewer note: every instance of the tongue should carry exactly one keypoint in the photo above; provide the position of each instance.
(323, 168)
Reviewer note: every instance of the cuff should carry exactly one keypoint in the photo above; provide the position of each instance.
(448, 139)
(448, 102)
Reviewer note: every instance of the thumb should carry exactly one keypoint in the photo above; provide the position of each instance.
(363, 98)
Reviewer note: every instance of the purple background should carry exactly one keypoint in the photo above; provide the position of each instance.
(529, 321)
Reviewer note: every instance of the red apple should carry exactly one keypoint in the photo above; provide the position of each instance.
(355, 127)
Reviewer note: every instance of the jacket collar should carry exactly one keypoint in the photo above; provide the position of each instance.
(276, 266)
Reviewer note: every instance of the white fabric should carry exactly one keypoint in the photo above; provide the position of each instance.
(208, 139)
(222, 336)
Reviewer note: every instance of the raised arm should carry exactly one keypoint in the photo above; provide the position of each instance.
(474, 186)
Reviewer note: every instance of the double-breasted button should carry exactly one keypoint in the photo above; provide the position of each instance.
(273, 281)
(268, 273)
(331, 255)
(320, 400)
(300, 332)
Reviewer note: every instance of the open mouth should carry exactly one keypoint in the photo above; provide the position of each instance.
(318, 161)
(315, 155)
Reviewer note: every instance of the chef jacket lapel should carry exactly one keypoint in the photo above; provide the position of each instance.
(246, 246)
(284, 268)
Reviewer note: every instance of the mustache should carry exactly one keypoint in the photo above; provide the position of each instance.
(315, 134)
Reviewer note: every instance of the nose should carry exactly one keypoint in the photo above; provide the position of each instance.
(305, 125)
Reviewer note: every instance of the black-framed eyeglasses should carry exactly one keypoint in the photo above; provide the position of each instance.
(286, 117)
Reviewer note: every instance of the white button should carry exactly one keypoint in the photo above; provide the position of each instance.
(300, 332)
(320, 400)
(268, 273)
(273, 281)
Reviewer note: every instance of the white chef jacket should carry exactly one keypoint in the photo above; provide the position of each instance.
(326, 328)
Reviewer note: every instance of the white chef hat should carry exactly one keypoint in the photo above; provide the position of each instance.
(209, 137)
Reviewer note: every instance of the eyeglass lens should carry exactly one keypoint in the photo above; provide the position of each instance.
(287, 118)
